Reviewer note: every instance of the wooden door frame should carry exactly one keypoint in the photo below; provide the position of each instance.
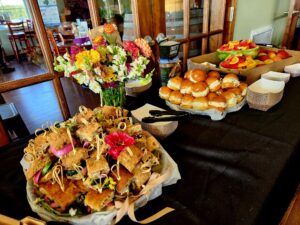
(229, 23)
(289, 32)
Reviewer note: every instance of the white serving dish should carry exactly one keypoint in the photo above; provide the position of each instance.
(264, 93)
(276, 76)
(212, 113)
(293, 69)
(136, 87)
(160, 130)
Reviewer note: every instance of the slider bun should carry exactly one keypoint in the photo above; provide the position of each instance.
(218, 103)
(231, 99)
(200, 103)
(230, 81)
(243, 87)
(187, 101)
(164, 92)
(200, 89)
(220, 91)
(175, 97)
(238, 93)
(211, 95)
(175, 83)
(213, 83)
(186, 87)
(230, 76)
(196, 75)
(214, 73)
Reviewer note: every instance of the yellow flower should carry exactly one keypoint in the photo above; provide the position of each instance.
(108, 75)
(94, 56)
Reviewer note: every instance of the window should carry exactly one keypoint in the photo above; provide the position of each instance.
(12, 10)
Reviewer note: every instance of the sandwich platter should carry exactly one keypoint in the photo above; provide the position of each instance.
(212, 113)
(94, 168)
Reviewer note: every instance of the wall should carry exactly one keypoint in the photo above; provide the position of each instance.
(255, 14)
(252, 15)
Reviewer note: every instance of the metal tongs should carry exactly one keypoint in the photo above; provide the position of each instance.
(167, 115)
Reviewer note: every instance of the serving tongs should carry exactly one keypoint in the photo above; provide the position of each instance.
(163, 116)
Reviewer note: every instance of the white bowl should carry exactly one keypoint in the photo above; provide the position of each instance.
(160, 130)
(136, 87)
(276, 76)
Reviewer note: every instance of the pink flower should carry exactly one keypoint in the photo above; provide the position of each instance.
(118, 141)
(74, 51)
(132, 48)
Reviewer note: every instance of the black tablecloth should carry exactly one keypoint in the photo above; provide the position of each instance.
(242, 170)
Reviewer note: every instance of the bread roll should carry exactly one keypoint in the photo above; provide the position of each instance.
(213, 84)
(175, 83)
(200, 103)
(175, 97)
(200, 89)
(186, 87)
(187, 102)
(230, 81)
(164, 92)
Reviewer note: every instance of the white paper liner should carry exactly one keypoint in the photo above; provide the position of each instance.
(160, 130)
(293, 69)
(212, 113)
(276, 76)
(106, 217)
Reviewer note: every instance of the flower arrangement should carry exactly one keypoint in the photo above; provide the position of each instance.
(108, 64)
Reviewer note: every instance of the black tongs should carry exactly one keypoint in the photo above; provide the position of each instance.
(167, 115)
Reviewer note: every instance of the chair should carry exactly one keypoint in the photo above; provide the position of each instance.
(17, 36)
(30, 32)
(55, 43)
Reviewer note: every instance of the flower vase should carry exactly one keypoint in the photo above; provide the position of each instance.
(113, 95)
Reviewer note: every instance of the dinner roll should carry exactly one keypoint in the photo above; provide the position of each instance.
(215, 74)
(175, 83)
(186, 87)
(200, 103)
(211, 95)
(230, 81)
(238, 93)
(187, 102)
(195, 75)
(218, 103)
(231, 98)
(164, 92)
(213, 84)
(243, 87)
(200, 89)
(175, 97)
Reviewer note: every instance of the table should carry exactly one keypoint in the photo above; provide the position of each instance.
(242, 170)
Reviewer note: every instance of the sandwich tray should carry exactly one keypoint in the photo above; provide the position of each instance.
(169, 168)
(212, 113)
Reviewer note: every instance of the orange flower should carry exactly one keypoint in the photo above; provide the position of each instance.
(109, 28)
(144, 47)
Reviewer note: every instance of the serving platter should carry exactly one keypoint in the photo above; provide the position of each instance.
(212, 113)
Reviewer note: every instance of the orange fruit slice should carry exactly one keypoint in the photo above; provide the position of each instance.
(234, 60)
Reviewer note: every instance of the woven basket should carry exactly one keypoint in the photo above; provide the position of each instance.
(264, 94)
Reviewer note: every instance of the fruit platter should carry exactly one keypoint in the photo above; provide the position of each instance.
(94, 168)
(205, 93)
(243, 47)
(245, 55)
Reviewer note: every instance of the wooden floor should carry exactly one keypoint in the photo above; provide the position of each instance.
(37, 104)
(22, 70)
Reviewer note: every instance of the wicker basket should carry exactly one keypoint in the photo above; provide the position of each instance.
(263, 94)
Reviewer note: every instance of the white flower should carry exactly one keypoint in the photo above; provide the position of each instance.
(95, 86)
(81, 78)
